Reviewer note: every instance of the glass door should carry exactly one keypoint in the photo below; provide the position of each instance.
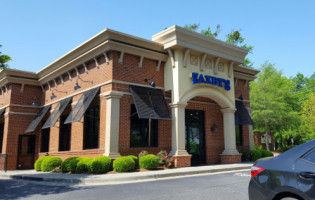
(194, 135)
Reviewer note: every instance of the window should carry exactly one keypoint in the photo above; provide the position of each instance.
(239, 135)
(91, 127)
(142, 134)
(45, 140)
(310, 157)
(64, 134)
(1, 136)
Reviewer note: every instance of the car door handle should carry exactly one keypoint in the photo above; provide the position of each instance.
(309, 175)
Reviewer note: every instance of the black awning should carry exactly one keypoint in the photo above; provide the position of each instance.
(37, 119)
(242, 116)
(150, 103)
(51, 121)
(82, 105)
(2, 111)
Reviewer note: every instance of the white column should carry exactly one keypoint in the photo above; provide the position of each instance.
(250, 131)
(229, 132)
(178, 129)
(112, 124)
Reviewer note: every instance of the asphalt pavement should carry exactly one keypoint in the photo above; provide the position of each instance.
(219, 185)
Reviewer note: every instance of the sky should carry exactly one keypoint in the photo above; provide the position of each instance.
(35, 32)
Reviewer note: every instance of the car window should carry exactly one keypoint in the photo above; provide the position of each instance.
(310, 157)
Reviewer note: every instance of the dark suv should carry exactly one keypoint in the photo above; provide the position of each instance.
(290, 175)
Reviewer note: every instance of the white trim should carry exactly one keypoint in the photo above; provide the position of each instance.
(135, 84)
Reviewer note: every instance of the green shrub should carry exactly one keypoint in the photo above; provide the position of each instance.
(70, 164)
(39, 162)
(124, 164)
(84, 165)
(136, 159)
(266, 153)
(142, 153)
(101, 165)
(149, 162)
(50, 163)
(255, 154)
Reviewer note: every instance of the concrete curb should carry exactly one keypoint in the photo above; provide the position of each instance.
(99, 179)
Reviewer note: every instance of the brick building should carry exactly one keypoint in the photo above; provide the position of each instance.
(117, 94)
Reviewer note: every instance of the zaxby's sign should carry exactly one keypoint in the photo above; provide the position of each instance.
(199, 78)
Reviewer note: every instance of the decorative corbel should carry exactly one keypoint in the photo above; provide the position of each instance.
(121, 58)
(22, 87)
(78, 70)
(158, 66)
(140, 62)
(245, 85)
(230, 69)
(186, 57)
(235, 82)
(96, 63)
(202, 64)
(170, 53)
(106, 58)
(42, 88)
(55, 82)
(48, 85)
(70, 78)
(215, 68)
(61, 80)
(85, 69)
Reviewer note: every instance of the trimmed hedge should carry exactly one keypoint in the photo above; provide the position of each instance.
(136, 159)
(70, 164)
(149, 162)
(84, 165)
(50, 163)
(124, 164)
(255, 154)
(101, 165)
(266, 153)
(39, 162)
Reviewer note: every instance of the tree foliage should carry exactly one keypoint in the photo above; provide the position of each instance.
(283, 105)
(3, 60)
(233, 38)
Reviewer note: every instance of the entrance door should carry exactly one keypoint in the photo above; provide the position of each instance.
(195, 136)
(26, 152)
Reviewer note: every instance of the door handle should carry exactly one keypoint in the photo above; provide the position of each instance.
(308, 175)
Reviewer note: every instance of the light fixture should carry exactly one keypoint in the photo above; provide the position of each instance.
(152, 84)
(214, 128)
(77, 86)
(52, 96)
(34, 104)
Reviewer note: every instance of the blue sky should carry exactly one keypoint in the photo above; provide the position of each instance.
(35, 33)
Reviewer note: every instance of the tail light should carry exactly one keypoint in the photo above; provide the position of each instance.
(256, 170)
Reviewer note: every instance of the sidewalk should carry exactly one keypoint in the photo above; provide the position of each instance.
(91, 179)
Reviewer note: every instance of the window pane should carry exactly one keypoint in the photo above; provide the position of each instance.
(64, 134)
(1, 135)
(45, 140)
(239, 135)
(91, 128)
(310, 157)
(143, 132)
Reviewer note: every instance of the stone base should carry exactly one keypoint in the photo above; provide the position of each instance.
(230, 159)
(182, 161)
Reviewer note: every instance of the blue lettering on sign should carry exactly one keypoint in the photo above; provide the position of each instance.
(199, 78)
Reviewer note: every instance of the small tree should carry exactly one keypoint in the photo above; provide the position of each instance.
(3, 60)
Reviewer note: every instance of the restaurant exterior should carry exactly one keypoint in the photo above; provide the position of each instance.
(118, 94)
